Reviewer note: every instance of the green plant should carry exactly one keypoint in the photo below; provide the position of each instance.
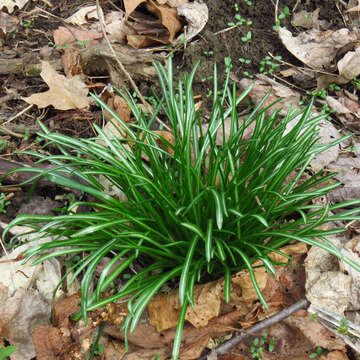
(282, 15)
(247, 37)
(268, 65)
(258, 346)
(7, 351)
(3, 203)
(316, 354)
(194, 207)
(314, 317)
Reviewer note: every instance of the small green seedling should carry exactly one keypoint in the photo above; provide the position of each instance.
(282, 15)
(53, 45)
(7, 351)
(27, 24)
(317, 353)
(343, 329)
(208, 53)
(248, 2)
(259, 345)
(268, 65)
(245, 61)
(3, 203)
(247, 37)
(314, 317)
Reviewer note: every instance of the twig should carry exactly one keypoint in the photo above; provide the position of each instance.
(283, 314)
(132, 82)
(18, 114)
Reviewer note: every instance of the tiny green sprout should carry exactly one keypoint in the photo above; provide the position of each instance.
(3, 203)
(208, 53)
(285, 13)
(245, 61)
(277, 26)
(83, 43)
(236, 7)
(306, 16)
(15, 33)
(314, 317)
(7, 351)
(27, 24)
(27, 135)
(317, 353)
(248, 2)
(247, 74)
(272, 344)
(333, 87)
(248, 22)
(207, 78)
(209, 93)
(356, 82)
(247, 37)
(3, 145)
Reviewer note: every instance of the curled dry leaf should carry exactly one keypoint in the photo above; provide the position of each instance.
(8, 23)
(83, 15)
(71, 62)
(196, 15)
(315, 48)
(11, 4)
(64, 93)
(148, 32)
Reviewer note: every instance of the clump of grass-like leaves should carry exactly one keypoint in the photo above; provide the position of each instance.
(193, 207)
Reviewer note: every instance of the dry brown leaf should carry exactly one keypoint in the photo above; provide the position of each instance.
(71, 62)
(116, 27)
(11, 4)
(83, 15)
(347, 108)
(131, 5)
(8, 23)
(315, 48)
(349, 67)
(334, 355)
(263, 84)
(306, 19)
(315, 332)
(63, 36)
(64, 93)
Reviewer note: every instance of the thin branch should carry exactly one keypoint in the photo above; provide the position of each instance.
(283, 314)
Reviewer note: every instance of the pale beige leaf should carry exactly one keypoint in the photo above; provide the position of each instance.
(349, 66)
(196, 15)
(8, 23)
(83, 15)
(316, 48)
(10, 5)
(64, 93)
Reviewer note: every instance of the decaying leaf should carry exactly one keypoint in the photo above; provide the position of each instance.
(8, 23)
(11, 4)
(263, 84)
(83, 15)
(327, 134)
(148, 31)
(347, 108)
(20, 313)
(65, 36)
(307, 20)
(196, 15)
(315, 48)
(64, 93)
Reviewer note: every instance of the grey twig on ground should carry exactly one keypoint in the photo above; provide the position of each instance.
(283, 314)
